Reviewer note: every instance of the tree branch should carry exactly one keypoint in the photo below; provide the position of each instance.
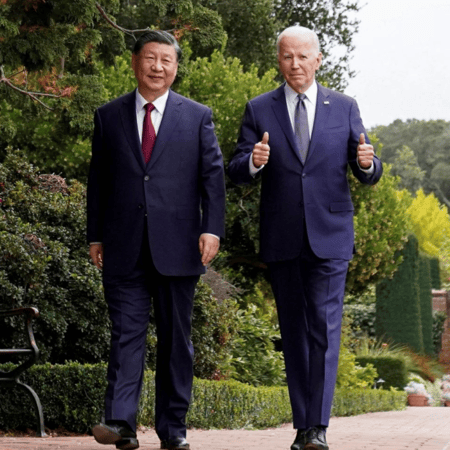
(118, 27)
(114, 25)
(32, 95)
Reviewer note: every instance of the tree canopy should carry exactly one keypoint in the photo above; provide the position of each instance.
(428, 166)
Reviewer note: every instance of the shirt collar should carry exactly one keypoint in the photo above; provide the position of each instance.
(159, 103)
(311, 94)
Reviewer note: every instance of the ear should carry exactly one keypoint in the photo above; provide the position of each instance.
(319, 60)
(133, 62)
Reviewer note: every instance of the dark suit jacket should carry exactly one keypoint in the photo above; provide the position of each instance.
(316, 193)
(181, 190)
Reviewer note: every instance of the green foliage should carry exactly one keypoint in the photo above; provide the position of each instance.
(429, 142)
(348, 402)
(398, 306)
(381, 227)
(430, 222)
(350, 374)
(44, 263)
(435, 273)
(251, 29)
(439, 318)
(362, 319)
(426, 306)
(406, 166)
(72, 397)
(255, 360)
(391, 369)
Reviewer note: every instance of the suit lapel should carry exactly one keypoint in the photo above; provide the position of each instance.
(168, 125)
(281, 113)
(323, 107)
(129, 123)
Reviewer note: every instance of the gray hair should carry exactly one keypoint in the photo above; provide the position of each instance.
(304, 33)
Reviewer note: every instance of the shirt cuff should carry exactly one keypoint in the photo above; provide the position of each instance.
(210, 234)
(95, 243)
(369, 171)
(254, 170)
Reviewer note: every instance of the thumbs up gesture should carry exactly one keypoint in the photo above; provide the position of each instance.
(261, 151)
(364, 153)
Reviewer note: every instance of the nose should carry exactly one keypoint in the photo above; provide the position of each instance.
(157, 66)
(295, 62)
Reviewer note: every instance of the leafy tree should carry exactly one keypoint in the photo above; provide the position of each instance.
(430, 222)
(407, 168)
(251, 28)
(430, 144)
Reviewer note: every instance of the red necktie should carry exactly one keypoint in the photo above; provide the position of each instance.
(148, 133)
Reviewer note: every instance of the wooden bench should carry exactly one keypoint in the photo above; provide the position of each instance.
(11, 379)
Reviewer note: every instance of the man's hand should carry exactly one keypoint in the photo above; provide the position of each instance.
(261, 151)
(208, 246)
(364, 153)
(96, 252)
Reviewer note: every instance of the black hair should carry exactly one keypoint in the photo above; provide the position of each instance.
(163, 37)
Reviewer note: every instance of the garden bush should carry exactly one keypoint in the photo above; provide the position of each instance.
(391, 369)
(362, 319)
(398, 301)
(72, 397)
(426, 303)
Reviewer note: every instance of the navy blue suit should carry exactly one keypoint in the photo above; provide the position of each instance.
(306, 234)
(149, 218)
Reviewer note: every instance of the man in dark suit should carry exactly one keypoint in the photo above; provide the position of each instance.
(300, 139)
(156, 205)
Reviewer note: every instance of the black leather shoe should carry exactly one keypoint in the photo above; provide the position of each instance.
(178, 443)
(300, 440)
(121, 436)
(316, 439)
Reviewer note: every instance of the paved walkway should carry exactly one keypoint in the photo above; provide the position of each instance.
(416, 428)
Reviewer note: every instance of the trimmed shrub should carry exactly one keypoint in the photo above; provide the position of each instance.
(426, 306)
(349, 402)
(72, 397)
(391, 369)
(398, 302)
(435, 273)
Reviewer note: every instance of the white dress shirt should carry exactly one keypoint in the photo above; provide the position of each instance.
(156, 114)
(310, 105)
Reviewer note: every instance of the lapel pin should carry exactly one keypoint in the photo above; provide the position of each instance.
(326, 103)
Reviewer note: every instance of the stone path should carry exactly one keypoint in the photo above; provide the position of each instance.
(425, 428)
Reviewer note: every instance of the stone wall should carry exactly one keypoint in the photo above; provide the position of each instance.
(441, 302)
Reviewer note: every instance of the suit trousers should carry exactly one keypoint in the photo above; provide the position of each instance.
(129, 301)
(309, 294)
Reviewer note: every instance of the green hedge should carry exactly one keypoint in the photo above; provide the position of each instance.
(351, 402)
(72, 397)
(391, 369)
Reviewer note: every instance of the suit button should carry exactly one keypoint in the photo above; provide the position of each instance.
(146, 178)
(303, 175)
(140, 206)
